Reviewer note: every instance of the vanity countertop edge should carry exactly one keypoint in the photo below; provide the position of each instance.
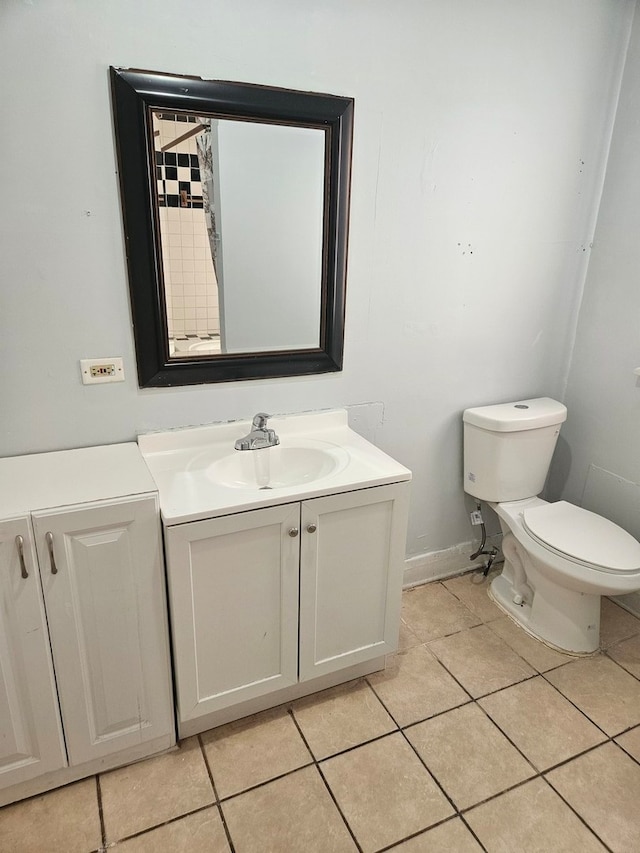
(179, 461)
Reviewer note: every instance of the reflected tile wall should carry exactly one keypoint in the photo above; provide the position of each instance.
(191, 289)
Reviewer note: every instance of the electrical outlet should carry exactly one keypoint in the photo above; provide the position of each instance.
(97, 370)
(476, 517)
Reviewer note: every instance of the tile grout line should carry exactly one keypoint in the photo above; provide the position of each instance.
(542, 778)
(215, 805)
(577, 707)
(251, 788)
(336, 804)
(103, 831)
(324, 781)
(149, 829)
(457, 811)
(577, 814)
(626, 751)
(538, 774)
(432, 775)
(605, 653)
(472, 701)
(218, 803)
(391, 847)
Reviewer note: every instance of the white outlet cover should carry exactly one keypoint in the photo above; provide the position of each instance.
(114, 370)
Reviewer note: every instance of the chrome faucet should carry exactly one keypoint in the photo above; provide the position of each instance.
(260, 436)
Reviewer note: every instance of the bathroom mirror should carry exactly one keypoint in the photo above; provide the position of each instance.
(235, 202)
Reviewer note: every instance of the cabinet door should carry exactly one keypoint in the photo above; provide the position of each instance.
(351, 564)
(104, 594)
(233, 591)
(31, 740)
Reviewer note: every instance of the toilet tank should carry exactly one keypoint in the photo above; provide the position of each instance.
(508, 448)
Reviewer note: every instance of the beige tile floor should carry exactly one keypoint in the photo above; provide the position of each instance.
(476, 737)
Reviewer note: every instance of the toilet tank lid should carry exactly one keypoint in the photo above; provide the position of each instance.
(521, 415)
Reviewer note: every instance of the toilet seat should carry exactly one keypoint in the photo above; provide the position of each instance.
(583, 537)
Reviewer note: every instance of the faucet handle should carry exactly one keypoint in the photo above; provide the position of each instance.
(260, 420)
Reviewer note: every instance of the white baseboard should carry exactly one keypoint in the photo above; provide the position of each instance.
(437, 565)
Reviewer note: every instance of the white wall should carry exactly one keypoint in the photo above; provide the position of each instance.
(598, 462)
(480, 136)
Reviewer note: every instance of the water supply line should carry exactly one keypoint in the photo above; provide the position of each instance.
(491, 553)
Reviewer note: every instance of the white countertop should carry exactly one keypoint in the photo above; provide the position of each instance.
(182, 463)
(67, 477)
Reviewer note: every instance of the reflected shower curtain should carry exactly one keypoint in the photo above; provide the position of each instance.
(205, 160)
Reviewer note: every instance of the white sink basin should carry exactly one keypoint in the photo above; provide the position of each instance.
(278, 467)
(200, 475)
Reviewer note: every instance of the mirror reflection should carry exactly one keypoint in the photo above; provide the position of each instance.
(221, 186)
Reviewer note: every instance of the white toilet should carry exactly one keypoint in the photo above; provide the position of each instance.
(559, 558)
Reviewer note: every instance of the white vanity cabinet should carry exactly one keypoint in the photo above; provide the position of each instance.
(273, 603)
(85, 679)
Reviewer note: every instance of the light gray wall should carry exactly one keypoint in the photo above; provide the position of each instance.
(598, 462)
(481, 131)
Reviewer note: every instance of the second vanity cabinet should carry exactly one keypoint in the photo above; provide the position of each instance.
(84, 667)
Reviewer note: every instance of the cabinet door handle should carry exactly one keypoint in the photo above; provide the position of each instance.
(20, 547)
(311, 528)
(293, 532)
(49, 537)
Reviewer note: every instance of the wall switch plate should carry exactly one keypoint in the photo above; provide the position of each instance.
(98, 370)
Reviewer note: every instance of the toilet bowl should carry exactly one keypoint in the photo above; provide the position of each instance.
(559, 558)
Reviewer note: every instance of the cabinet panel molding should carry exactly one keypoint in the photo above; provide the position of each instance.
(105, 607)
(351, 577)
(31, 741)
(233, 587)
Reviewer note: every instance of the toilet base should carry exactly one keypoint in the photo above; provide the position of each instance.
(567, 621)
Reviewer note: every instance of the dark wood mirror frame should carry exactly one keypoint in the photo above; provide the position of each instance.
(134, 95)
